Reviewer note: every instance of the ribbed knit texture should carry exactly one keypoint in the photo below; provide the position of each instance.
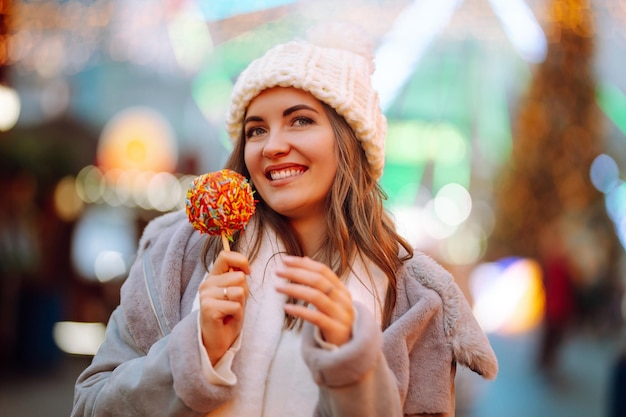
(337, 77)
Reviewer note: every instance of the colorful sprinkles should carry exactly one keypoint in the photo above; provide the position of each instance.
(220, 202)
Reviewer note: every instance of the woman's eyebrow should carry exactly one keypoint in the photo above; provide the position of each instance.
(252, 119)
(297, 107)
(286, 113)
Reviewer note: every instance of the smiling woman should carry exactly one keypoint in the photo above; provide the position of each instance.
(328, 304)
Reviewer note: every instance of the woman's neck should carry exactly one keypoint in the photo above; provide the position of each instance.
(310, 233)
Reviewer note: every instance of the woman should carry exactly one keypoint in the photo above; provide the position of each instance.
(321, 308)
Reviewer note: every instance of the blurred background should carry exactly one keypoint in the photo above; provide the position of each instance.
(505, 161)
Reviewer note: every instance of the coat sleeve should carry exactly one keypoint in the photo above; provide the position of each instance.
(123, 381)
(354, 379)
(149, 362)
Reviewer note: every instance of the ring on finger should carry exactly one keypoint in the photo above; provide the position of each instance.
(226, 294)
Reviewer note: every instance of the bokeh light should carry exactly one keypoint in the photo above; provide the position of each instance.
(78, 338)
(442, 223)
(453, 204)
(90, 184)
(164, 191)
(67, 204)
(109, 264)
(140, 139)
(508, 295)
(101, 234)
(10, 104)
(604, 173)
(160, 191)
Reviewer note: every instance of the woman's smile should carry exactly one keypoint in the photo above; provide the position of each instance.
(280, 174)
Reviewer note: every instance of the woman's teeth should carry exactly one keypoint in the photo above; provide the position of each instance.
(286, 173)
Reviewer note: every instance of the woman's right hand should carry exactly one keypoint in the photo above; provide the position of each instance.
(223, 295)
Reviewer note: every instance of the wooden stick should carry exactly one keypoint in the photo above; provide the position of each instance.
(225, 242)
(226, 245)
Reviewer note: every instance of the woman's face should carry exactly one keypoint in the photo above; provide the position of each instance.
(290, 151)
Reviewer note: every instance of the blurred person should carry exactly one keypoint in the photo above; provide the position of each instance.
(330, 311)
(582, 284)
(560, 296)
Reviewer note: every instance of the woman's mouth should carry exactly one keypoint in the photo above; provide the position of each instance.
(281, 174)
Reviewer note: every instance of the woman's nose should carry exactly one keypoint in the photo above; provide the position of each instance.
(277, 144)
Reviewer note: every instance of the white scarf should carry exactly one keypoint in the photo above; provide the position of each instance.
(261, 331)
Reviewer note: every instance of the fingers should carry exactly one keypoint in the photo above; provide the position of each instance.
(229, 270)
(316, 284)
(226, 288)
(317, 275)
(231, 286)
(219, 302)
(337, 304)
(225, 291)
(234, 294)
(227, 260)
(333, 331)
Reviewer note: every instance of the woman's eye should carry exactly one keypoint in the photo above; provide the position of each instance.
(302, 121)
(254, 131)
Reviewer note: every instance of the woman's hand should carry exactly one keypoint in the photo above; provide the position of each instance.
(315, 283)
(223, 296)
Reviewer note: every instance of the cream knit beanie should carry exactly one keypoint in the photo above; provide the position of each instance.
(338, 75)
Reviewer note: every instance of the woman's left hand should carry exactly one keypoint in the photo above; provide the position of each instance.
(315, 283)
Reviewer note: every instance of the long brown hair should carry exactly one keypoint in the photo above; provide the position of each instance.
(356, 220)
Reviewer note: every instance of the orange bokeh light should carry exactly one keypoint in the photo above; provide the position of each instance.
(137, 139)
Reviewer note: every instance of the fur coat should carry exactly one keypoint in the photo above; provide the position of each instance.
(149, 363)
